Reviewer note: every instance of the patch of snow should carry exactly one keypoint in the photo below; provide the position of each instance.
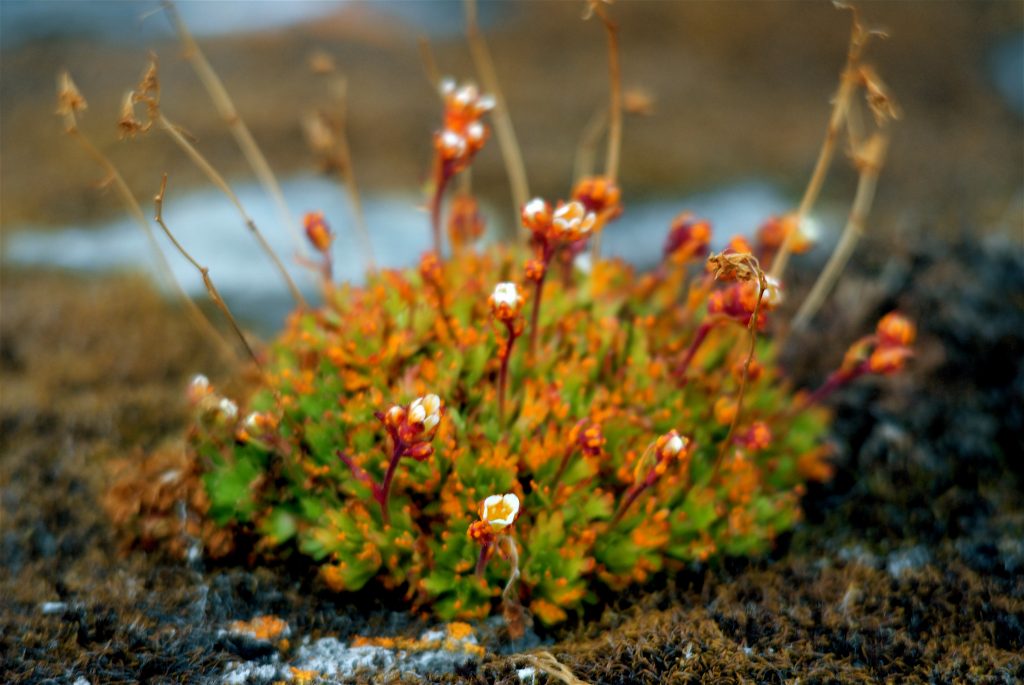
(49, 608)
(528, 673)
(332, 657)
(242, 673)
(901, 561)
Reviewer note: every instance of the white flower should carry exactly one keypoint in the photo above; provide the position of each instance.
(252, 422)
(227, 409)
(466, 95)
(500, 511)
(452, 144)
(475, 133)
(572, 221)
(674, 446)
(199, 388)
(447, 86)
(772, 296)
(534, 209)
(507, 294)
(426, 410)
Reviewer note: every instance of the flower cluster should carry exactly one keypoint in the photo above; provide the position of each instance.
(412, 428)
(464, 133)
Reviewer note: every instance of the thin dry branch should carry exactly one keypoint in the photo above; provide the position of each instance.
(158, 202)
(503, 129)
(848, 83)
(586, 148)
(348, 175)
(611, 162)
(67, 110)
(214, 176)
(226, 107)
(752, 331)
(869, 161)
(429, 63)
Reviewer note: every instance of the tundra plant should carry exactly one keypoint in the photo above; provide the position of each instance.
(399, 435)
(402, 434)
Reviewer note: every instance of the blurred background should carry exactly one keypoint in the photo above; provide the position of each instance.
(736, 98)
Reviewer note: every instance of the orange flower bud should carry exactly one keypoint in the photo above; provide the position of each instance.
(534, 270)
(888, 360)
(757, 437)
(319, 235)
(465, 222)
(598, 194)
(894, 329)
(480, 532)
(725, 410)
(506, 301)
(671, 445)
(687, 238)
(421, 451)
(754, 371)
(536, 215)
(430, 268)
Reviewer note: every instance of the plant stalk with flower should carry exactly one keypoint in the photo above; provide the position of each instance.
(506, 305)
(463, 135)
(411, 430)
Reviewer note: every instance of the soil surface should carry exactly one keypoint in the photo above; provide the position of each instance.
(908, 568)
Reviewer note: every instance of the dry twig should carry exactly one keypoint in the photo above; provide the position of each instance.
(158, 202)
(503, 129)
(226, 107)
(70, 102)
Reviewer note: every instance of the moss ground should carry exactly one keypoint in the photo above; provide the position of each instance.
(909, 568)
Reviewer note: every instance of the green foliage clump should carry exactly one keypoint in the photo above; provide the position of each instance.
(633, 429)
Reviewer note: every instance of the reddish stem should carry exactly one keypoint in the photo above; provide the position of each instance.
(546, 255)
(631, 496)
(443, 175)
(836, 380)
(382, 493)
(503, 374)
(698, 340)
(561, 467)
(481, 561)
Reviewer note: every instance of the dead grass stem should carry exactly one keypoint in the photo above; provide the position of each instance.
(204, 272)
(503, 129)
(840, 106)
(135, 210)
(217, 180)
(226, 107)
(869, 162)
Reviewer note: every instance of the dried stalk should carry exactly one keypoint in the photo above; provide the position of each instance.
(611, 162)
(348, 176)
(132, 205)
(848, 82)
(869, 163)
(752, 328)
(214, 176)
(586, 149)
(503, 129)
(429, 63)
(158, 202)
(226, 107)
